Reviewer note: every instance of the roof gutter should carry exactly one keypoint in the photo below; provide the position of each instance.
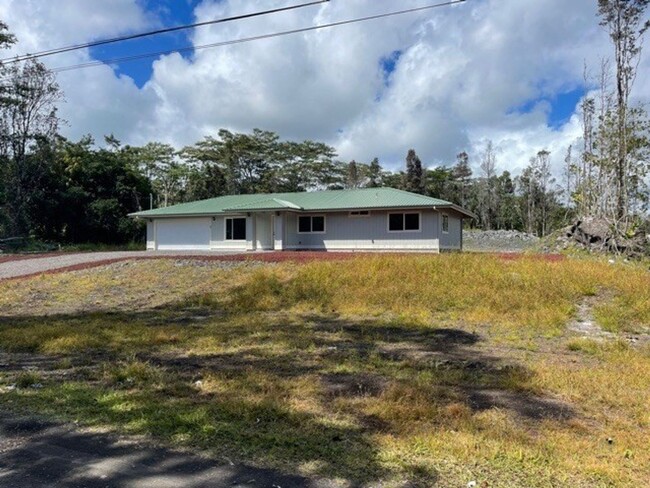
(456, 208)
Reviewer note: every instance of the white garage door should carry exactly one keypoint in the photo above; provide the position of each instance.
(183, 234)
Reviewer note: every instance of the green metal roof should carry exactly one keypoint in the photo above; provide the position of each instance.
(364, 198)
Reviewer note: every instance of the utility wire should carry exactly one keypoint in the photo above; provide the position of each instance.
(254, 38)
(75, 47)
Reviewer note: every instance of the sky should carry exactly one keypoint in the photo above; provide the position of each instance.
(440, 81)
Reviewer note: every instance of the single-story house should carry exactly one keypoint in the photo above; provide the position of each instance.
(362, 219)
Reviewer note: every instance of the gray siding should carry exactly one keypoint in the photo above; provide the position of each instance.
(345, 232)
(342, 231)
(452, 239)
(151, 238)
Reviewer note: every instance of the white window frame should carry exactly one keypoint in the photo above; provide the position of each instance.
(442, 223)
(225, 229)
(359, 214)
(311, 224)
(403, 231)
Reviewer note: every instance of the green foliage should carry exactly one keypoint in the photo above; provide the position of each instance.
(28, 379)
(260, 162)
(99, 188)
(6, 37)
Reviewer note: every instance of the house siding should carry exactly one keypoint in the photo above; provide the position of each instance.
(151, 236)
(342, 232)
(452, 240)
(363, 233)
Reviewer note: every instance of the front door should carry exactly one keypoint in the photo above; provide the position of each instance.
(264, 231)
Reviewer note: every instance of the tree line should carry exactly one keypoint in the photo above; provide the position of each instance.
(67, 191)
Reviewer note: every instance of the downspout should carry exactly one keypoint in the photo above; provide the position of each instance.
(435, 209)
(461, 234)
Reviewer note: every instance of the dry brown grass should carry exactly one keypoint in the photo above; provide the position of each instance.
(434, 369)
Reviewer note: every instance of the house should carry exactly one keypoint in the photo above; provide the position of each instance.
(362, 219)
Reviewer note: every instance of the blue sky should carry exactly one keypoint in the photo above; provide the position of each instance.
(166, 13)
(562, 106)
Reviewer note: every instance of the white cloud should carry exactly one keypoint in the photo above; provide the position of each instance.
(96, 101)
(462, 72)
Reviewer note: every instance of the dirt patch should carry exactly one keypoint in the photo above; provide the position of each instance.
(585, 325)
(353, 385)
(584, 322)
(524, 405)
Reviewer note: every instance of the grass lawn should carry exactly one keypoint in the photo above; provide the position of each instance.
(373, 371)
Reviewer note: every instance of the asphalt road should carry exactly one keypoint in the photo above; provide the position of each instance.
(35, 454)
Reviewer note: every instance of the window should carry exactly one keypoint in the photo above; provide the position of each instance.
(445, 224)
(236, 229)
(360, 213)
(311, 224)
(403, 222)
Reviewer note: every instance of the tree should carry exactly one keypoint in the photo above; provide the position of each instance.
(159, 162)
(28, 119)
(545, 179)
(462, 174)
(507, 216)
(375, 174)
(97, 190)
(539, 195)
(624, 21)
(260, 162)
(414, 179)
(353, 177)
(487, 187)
(440, 183)
(7, 39)
(395, 180)
(203, 182)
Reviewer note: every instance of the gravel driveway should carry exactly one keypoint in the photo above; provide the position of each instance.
(37, 265)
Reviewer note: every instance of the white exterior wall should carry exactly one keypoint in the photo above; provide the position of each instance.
(182, 234)
(345, 232)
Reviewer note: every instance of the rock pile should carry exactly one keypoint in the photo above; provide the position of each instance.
(605, 236)
(499, 240)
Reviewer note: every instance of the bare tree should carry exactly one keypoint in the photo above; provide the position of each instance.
(28, 117)
(569, 173)
(624, 21)
(488, 170)
(545, 179)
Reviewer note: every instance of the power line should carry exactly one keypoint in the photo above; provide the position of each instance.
(254, 38)
(75, 47)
